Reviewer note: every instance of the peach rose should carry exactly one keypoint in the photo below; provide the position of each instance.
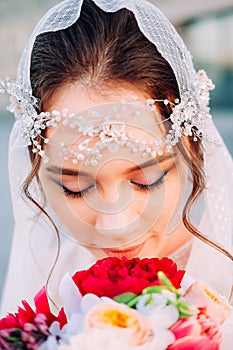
(127, 322)
(202, 296)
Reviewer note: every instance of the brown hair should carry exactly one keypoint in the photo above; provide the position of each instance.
(102, 49)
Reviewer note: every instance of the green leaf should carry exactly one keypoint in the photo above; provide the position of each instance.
(184, 315)
(185, 310)
(129, 299)
(125, 298)
(150, 300)
(179, 292)
(183, 306)
(166, 282)
(16, 342)
(153, 289)
(12, 339)
(134, 301)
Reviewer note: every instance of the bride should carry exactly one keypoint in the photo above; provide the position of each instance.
(113, 151)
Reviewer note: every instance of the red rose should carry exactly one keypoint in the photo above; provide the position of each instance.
(113, 276)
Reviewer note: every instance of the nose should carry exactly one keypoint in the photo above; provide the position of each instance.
(117, 226)
(117, 215)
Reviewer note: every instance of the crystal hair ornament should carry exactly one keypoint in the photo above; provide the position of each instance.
(23, 104)
(188, 118)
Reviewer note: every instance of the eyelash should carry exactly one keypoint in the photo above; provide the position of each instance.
(145, 188)
(78, 194)
(151, 187)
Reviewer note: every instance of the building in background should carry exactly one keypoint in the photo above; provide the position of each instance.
(206, 27)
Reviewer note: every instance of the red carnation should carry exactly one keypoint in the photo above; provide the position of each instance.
(113, 276)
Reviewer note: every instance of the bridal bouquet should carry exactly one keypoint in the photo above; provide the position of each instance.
(120, 304)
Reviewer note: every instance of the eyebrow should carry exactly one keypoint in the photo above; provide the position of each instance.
(72, 172)
(65, 171)
(151, 162)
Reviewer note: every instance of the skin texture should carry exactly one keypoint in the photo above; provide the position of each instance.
(128, 203)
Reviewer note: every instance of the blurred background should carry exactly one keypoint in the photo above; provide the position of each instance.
(206, 27)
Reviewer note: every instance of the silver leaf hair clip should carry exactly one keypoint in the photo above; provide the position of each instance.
(22, 101)
(188, 118)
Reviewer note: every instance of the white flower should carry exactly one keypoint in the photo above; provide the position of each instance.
(151, 302)
(75, 307)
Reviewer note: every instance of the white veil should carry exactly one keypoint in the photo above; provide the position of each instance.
(34, 243)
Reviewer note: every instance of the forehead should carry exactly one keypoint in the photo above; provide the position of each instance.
(89, 124)
(110, 131)
(77, 97)
(106, 120)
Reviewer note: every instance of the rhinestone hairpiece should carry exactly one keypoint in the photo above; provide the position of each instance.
(188, 118)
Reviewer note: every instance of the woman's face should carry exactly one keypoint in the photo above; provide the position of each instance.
(128, 203)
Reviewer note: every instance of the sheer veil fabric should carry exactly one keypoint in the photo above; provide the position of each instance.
(34, 242)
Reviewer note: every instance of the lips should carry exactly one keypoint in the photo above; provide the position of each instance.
(130, 252)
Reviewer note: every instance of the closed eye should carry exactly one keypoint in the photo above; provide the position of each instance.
(152, 186)
(139, 186)
(78, 194)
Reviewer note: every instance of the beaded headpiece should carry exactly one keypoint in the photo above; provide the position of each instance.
(188, 118)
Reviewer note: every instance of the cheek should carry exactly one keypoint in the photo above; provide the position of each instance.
(177, 187)
(153, 208)
(71, 212)
(165, 205)
(77, 211)
(74, 213)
